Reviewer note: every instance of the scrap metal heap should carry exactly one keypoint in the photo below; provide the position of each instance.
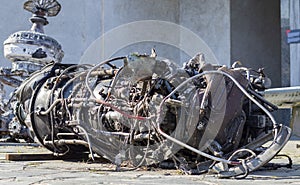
(198, 117)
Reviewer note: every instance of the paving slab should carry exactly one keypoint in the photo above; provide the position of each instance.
(62, 172)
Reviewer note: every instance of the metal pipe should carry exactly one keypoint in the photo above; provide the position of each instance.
(67, 142)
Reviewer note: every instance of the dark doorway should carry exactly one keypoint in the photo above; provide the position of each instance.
(256, 36)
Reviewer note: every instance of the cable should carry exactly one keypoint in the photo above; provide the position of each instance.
(242, 150)
(88, 141)
(118, 110)
(51, 100)
(246, 171)
(93, 68)
(50, 108)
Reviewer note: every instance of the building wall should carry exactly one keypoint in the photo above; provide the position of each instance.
(295, 48)
(127, 22)
(80, 22)
(211, 21)
(256, 35)
(208, 20)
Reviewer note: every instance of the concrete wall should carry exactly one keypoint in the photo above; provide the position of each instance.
(82, 21)
(118, 14)
(247, 30)
(255, 35)
(295, 48)
(211, 21)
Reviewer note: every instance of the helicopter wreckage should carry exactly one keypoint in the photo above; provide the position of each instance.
(198, 117)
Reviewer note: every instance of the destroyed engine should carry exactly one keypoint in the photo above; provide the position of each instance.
(198, 117)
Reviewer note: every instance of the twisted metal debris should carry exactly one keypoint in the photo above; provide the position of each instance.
(197, 118)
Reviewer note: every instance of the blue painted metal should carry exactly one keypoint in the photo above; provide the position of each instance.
(293, 36)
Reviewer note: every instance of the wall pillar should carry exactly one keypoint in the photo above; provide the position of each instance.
(295, 48)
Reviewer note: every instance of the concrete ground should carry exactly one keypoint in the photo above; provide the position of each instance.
(61, 172)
